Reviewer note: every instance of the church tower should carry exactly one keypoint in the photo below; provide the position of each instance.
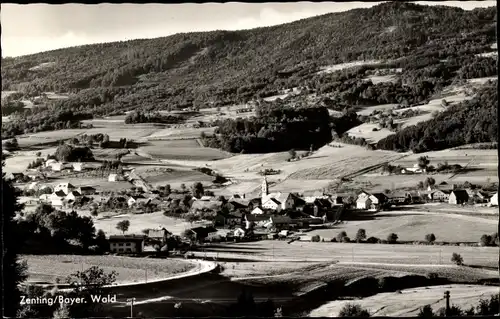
(265, 188)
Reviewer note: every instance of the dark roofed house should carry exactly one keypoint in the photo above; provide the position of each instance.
(86, 190)
(126, 243)
(203, 233)
(458, 197)
(281, 222)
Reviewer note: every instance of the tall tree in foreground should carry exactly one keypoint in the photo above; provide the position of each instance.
(13, 270)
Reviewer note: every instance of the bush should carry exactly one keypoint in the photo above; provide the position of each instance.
(360, 235)
(341, 235)
(353, 310)
(488, 307)
(426, 312)
(430, 238)
(457, 259)
(316, 238)
(392, 238)
(372, 240)
(455, 311)
(346, 239)
(485, 240)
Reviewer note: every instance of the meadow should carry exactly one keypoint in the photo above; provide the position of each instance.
(49, 268)
(408, 302)
(139, 222)
(413, 225)
(402, 255)
(181, 150)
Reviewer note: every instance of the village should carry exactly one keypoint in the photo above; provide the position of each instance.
(273, 215)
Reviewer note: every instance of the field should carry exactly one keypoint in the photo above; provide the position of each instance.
(409, 301)
(180, 133)
(181, 150)
(343, 66)
(101, 184)
(413, 225)
(382, 78)
(20, 160)
(380, 254)
(138, 222)
(366, 131)
(161, 175)
(47, 268)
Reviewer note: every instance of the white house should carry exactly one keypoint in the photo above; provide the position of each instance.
(115, 178)
(78, 167)
(72, 195)
(272, 203)
(494, 199)
(239, 233)
(363, 201)
(57, 166)
(65, 187)
(49, 162)
(56, 198)
(257, 211)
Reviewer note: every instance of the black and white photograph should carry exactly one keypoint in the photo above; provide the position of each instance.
(269, 159)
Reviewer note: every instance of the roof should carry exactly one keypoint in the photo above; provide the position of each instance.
(212, 205)
(239, 203)
(87, 188)
(380, 196)
(127, 238)
(74, 193)
(460, 194)
(281, 219)
(66, 184)
(204, 230)
(257, 217)
(206, 198)
(157, 232)
(60, 193)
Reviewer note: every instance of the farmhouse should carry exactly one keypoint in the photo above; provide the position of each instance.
(86, 190)
(72, 196)
(115, 178)
(65, 187)
(49, 162)
(56, 198)
(272, 203)
(399, 198)
(363, 201)
(279, 222)
(158, 234)
(78, 167)
(239, 233)
(440, 195)
(494, 199)
(228, 219)
(203, 233)
(256, 220)
(126, 243)
(378, 200)
(458, 197)
(57, 166)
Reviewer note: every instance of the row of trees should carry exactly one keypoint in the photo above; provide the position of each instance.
(155, 117)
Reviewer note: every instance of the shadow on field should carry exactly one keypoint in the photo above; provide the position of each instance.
(362, 216)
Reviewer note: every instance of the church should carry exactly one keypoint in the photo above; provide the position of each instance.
(275, 201)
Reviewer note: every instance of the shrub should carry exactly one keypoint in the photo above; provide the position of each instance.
(372, 240)
(488, 307)
(316, 238)
(353, 310)
(333, 240)
(341, 235)
(432, 275)
(485, 240)
(430, 238)
(360, 235)
(426, 312)
(346, 239)
(392, 238)
(457, 259)
(455, 311)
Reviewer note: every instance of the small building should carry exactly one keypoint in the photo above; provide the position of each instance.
(16, 177)
(78, 167)
(206, 198)
(115, 178)
(228, 219)
(57, 166)
(159, 234)
(336, 200)
(258, 220)
(86, 190)
(126, 244)
(280, 222)
(204, 233)
(72, 196)
(272, 203)
(440, 195)
(257, 211)
(379, 200)
(49, 162)
(458, 197)
(494, 199)
(239, 233)
(363, 201)
(65, 187)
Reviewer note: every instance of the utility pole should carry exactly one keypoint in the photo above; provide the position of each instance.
(447, 296)
(131, 300)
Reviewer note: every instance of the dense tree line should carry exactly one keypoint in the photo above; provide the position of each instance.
(274, 129)
(225, 67)
(69, 153)
(473, 121)
(141, 117)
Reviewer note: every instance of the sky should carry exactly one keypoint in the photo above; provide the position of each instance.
(33, 28)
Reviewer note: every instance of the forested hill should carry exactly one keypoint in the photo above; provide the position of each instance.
(433, 45)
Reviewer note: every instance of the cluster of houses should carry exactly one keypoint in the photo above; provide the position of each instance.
(64, 194)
